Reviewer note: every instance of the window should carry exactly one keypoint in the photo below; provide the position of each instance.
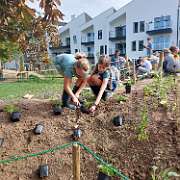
(142, 26)
(100, 34)
(134, 46)
(141, 47)
(74, 39)
(101, 50)
(105, 47)
(161, 42)
(76, 50)
(135, 27)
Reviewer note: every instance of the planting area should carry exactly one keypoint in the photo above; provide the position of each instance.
(149, 135)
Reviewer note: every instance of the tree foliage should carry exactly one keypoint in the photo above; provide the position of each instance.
(24, 29)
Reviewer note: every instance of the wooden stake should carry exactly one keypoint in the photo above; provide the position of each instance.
(134, 71)
(161, 59)
(76, 161)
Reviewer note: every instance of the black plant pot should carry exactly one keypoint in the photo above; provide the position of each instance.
(84, 110)
(118, 120)
(38, 129)
(57, 110)
(43, 171)
(76, 134)
(1, 141)
(15, 116)
(128, 88)
(102, 176)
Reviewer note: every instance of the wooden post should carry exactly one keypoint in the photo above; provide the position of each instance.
(178, 101)
(134, 70)
(161, 59)
(76, 161)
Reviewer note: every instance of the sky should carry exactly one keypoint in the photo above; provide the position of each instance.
(91, 7)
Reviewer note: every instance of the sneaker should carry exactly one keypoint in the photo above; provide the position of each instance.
(70, 106)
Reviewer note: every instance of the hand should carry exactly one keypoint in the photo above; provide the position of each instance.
(77, 95)
(93, 108)
(76, 101)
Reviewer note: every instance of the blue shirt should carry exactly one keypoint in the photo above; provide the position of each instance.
(64, 64)
(147, 64)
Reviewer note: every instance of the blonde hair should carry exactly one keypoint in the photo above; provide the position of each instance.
(82, 61)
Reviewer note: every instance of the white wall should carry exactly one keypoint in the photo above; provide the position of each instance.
(144, 10)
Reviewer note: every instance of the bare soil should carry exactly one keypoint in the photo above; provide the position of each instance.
(117, 145)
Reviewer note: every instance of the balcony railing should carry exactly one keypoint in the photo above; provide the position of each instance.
(118, 33)
(159, 27)
(87, 40)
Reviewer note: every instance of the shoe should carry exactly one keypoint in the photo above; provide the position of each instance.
(106, 95)
(70, 106)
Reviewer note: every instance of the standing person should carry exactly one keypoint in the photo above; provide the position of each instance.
(98, 81)
(149, 47)
(69, 65)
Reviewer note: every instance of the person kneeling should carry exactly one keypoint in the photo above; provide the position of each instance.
(69, 65)
(145, 66)
(99, 79)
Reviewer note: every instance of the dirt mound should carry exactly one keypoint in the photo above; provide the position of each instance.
(118, 145)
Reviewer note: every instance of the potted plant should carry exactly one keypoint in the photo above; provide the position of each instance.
(105, 173)
(128, 86)
(56, 107)
(14, 112)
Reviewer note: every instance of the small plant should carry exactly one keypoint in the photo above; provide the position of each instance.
(10, 108)
(121, 99)
(55, 102)
(15, 115)
(56, 106)
(165, 174)
(142, 133)
(106, 170)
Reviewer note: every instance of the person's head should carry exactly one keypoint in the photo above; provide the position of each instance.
(143, 59)
(166, 51)
(81, 65)
(103, 63)
(148, 39)
(174, 50)
(117, 53)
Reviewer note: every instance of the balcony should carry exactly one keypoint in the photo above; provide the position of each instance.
(87, 40)
(118, 34)
(159, 27)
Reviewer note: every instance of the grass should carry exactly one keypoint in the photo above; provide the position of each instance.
(39, 88)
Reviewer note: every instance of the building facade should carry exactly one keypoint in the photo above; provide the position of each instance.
(126, 29)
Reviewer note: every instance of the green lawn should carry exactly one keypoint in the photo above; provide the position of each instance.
(39, 88)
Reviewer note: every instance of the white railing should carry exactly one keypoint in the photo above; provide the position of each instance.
(86, 38)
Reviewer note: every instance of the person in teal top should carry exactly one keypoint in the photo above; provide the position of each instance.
(99, 79)
(70, 65)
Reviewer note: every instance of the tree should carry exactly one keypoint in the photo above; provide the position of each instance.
(24, 29)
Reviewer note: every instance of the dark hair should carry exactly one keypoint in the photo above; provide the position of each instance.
(173, 49)
(103, 59)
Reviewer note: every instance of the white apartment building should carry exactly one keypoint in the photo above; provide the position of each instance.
(125, 29)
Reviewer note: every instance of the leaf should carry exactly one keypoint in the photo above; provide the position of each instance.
(173, 174)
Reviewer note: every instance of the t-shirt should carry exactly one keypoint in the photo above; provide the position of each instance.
(149, 49)
(147, 65)
(105, 74)
(170, 64)
(64, 64)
